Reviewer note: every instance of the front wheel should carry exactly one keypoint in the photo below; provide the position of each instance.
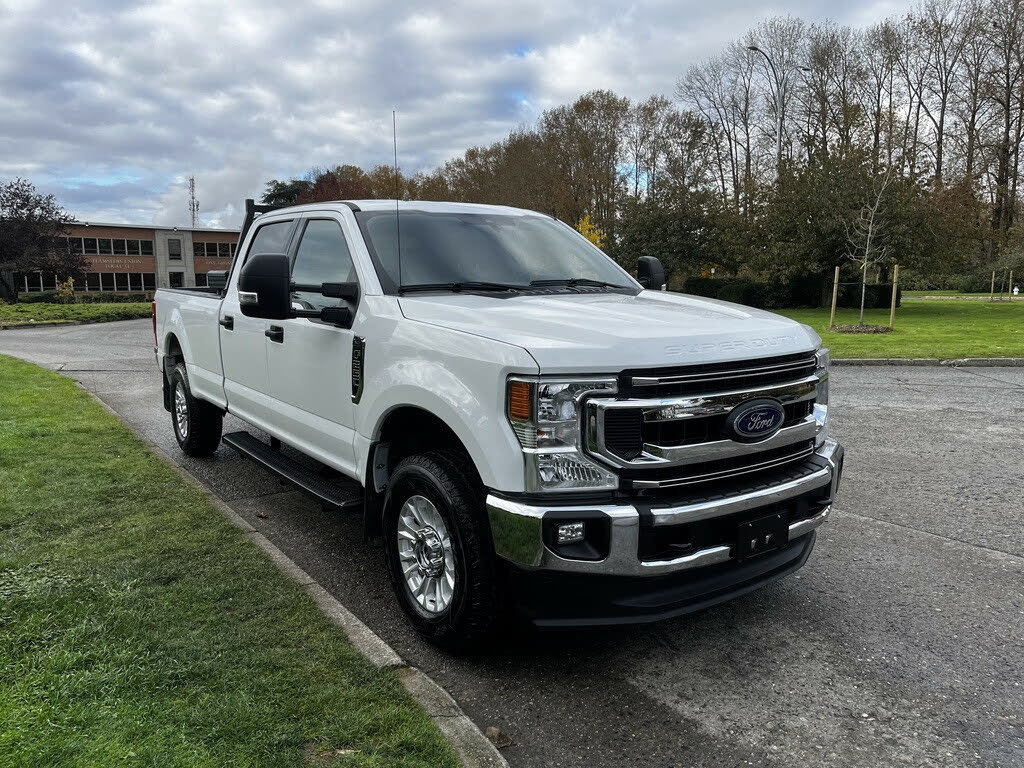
(197, 423)
(438, 547)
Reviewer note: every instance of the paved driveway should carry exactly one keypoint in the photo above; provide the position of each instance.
(900, 643)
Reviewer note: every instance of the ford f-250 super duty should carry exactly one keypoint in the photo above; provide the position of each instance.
(524, 424)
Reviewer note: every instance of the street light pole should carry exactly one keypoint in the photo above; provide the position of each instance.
(779, 92)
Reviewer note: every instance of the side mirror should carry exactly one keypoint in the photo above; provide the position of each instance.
(218, 279)
(264, 287)
(650, 273)
(346, 291)
(339, 316)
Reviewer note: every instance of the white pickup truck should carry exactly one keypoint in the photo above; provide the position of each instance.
(531, 431)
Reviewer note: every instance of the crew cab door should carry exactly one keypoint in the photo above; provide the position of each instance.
(243, 340)
(310, 362)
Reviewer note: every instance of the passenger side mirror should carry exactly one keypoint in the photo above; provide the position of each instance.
(218, 279)
(650, 273)
(264, 287)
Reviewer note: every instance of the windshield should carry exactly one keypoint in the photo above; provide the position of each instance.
(484, 251)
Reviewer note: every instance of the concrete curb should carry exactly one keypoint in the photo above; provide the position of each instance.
(975, 362)
(41, 325)
(472, 747)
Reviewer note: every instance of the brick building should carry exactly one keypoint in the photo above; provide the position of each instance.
(129, 257)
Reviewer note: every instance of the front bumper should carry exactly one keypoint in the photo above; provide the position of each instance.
(522, 533)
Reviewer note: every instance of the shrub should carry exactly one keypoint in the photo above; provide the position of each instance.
(65, 293)
(113, 298)
(778, 294)
(51, 297)
(877, 296)
(45, 297)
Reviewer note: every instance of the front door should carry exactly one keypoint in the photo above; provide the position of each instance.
(310, 362)
(244, 341)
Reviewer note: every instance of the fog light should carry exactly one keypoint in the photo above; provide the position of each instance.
(570, 533)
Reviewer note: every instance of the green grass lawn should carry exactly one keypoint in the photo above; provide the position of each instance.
(943, 329)
(139, 628)
(957, 294)
(40, 314)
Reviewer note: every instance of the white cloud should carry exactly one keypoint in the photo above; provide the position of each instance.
(111, 105)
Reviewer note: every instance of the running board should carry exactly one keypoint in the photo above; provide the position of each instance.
(341, 493)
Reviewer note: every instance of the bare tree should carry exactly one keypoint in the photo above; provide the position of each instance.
(866, 237)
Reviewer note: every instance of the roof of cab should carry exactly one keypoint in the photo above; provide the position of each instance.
(411, 205)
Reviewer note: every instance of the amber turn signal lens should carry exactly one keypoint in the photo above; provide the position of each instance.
(519, 401)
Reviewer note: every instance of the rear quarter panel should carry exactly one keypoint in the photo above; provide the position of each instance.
(192, 319)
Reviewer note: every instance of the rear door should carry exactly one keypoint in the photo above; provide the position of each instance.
(243, 340)
(310, 362)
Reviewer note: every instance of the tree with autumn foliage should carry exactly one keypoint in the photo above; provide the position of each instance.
(587, 228)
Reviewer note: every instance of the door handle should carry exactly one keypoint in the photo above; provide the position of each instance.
(228, 322)
(275, 333)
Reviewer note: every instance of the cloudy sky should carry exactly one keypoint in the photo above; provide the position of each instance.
(111, 105)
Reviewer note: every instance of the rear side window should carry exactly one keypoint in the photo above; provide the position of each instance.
(323, 257)
(271, 238)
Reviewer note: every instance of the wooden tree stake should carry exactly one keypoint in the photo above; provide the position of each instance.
(892, 305)
(835, 296)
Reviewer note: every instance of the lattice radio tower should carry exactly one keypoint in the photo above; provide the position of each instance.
(193, 201)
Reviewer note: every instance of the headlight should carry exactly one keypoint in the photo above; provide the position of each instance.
(545, 414)
(821, 398)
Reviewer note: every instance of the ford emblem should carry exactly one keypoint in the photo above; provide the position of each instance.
(755, 420)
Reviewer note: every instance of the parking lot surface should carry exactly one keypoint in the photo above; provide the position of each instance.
(901, 642)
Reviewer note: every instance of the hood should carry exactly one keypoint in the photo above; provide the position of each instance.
(603, 332)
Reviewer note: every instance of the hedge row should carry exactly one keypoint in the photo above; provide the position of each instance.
(50, 297)
(782, 295)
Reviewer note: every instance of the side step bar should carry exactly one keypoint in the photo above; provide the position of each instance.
(341, 493)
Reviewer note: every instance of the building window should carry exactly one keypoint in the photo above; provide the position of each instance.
(132, 247)
(174, 249)
(89, 245)
(80, 283)
(107, 281)
(233, 247)
(119, 247)
(106, 248)
(92, 281)
(149, 281)
(146, 247)
(176, 279)
(224, 250)
(198, 249)
(200, 279)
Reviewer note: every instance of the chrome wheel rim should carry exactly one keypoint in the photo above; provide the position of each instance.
(181, 411)
(426, 555)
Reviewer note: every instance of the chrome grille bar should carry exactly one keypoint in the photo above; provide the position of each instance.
(720, 375)
(801, 453)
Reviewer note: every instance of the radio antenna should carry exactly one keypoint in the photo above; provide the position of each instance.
(398, 221)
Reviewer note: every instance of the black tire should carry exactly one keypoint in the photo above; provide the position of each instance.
(474, 611)
(201, 424)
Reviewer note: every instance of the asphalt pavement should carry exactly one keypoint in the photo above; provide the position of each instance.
(900, 643)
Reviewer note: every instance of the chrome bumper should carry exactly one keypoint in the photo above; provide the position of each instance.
(518, 528)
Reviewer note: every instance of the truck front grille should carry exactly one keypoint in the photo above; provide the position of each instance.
(667, 428)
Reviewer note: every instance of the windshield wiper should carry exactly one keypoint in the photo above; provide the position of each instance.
(572, 282)
(465, 285)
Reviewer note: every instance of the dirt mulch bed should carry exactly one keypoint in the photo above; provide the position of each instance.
(861, 328)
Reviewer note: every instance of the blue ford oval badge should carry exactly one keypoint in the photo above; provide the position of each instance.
(755, 420)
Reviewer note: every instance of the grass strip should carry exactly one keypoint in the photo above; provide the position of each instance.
(139, 628)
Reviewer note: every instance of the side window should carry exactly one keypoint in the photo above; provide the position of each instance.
(323, 257)
(271, 238)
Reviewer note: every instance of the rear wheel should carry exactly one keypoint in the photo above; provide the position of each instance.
(438, 547)
(197, 423)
